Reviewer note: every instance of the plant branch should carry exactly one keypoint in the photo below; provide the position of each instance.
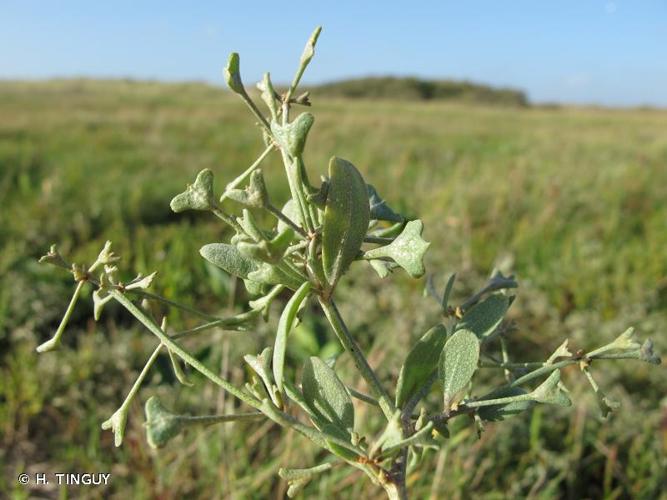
(350, 345)
(172, 345)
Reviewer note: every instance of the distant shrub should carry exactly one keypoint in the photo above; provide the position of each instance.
(409, 88)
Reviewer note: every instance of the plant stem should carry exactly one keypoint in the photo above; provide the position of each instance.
(54, 342)
(148, 322)
(140, 379)
(242, 178)
(350, 345)
(281, 216)
(363, 397)
(217, 419)
(183, 307)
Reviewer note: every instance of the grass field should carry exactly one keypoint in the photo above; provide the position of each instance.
(573, 200)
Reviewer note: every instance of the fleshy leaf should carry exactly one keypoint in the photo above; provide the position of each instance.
(379, 210)
(291, 212)
(346, 218)
(326, 395)
(285, 324)
(292, 137)
(233, 74)
(483, 318)
(229, 259)
(548, 392)
(161, 424)
(458, 363)
(197, 196)
(273, 275)
(407, 250)
(501, 412)
(420, 363)
(254, 195)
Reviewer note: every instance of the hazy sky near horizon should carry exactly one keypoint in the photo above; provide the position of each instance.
(576, 51)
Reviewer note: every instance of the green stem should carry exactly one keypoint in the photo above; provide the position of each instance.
(148, 322)
(544, 370)
(148, 295)
(54, 342)
(363, 397)
(255, 110)
(281, 216)
(218, 419)
(140, 379)
(350, 345)
(225, 323)
(244, 176)
(227, 219)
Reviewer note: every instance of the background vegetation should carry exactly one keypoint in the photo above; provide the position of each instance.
(573, 200)
(396, 88)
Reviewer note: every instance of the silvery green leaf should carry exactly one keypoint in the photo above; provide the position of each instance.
(309, 49)
(501, 412)
(381, 267)
(229, 259)
(292, 474)
(197, 196)
(483, 318)
(292, 137)
(290, 211)
(335, 431)
(458, 363)
(379, 210)
(254, 195)
(392, 434)
(233, 74)
(250, 226)
(161, 424)
(326, 395)
(420, 363)
(548, 392)
(254, 288)
(273, 275)
(407, 250)
(285, 324)
(346, 219)
(268, 94)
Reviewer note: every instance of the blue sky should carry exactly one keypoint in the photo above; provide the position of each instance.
(579, 51)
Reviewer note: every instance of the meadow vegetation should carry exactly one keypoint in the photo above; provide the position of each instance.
(572, 200)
